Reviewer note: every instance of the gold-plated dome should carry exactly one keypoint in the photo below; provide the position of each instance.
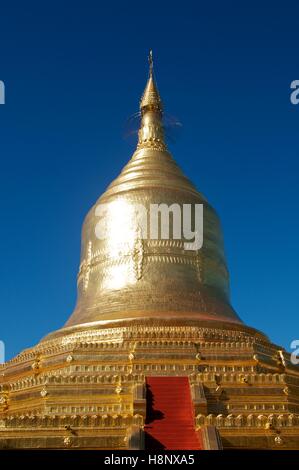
(125, 276)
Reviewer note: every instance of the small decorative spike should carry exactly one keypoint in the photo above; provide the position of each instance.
(151, 62)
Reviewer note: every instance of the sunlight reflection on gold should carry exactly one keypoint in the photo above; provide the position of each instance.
(121, 238)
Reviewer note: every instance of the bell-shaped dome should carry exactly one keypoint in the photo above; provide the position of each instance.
(125, 275)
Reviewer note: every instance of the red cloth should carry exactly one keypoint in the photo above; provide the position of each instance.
(169, 415)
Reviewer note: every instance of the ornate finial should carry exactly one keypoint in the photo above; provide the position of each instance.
(151, 132)
(151, 97)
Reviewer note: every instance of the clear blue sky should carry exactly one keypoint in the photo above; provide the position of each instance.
(74, 72)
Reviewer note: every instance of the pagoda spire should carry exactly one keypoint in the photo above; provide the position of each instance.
(151, 132)
(151, 97)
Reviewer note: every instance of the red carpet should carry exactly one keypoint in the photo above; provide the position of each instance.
(169, 415)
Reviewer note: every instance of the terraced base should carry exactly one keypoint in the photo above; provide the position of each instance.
(86, 389)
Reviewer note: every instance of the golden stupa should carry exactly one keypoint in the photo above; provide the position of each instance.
(150, 309)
